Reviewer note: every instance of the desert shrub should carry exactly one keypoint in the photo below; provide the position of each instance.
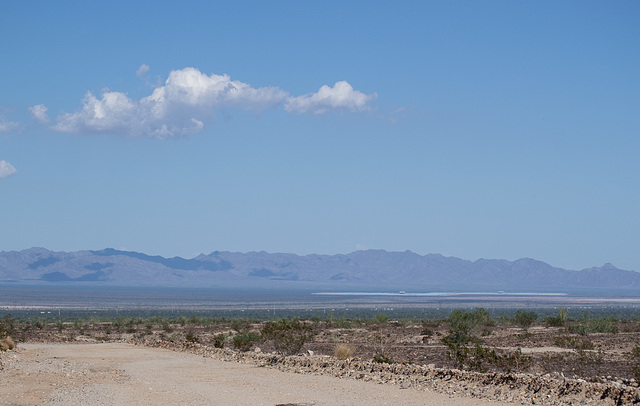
(288, 336)
(586, 326)
(243, 341)
(553, 321)
(240, 325)
(430, 323)
(464, 325)
(344, 351)
(578, 328)
(7, 326)
(190, 337)
(166, 327)
(7, 343)
(457, 351)
(383, 358)
(635, 358)
(133, 322)
(38, 323)
(559, 320)
(481, 359)
(563, 314)
(381, 318)
(119, 322)
(603, 325)
(427, 332)
(218, 340)
(573, 342)
(406, 322)
(592, 359)
(342, 323)
(525, 319)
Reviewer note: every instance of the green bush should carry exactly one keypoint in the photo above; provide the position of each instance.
(574, 342)
(381, 318)
(553, 321)
(218, 340)
(586, 326)
(525, 319)
(7, 326)
(559, 320)
(635, 358)
(603, 325)
(190, 337)
(464, 325)
(481, 359)
(288, 336)
(383, 359)
(243, 341)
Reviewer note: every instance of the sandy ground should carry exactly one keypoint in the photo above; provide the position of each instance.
(123, 374)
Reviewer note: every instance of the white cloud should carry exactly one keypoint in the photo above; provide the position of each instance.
(188, 99)
(6, 169)
(142, 70)
(339, 97)
(39, 113)
(6, 125)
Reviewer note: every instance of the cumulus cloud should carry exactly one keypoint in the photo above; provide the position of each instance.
(6, 125)
(39, 113)
(188, 99)
(6, 169)
(339, 97)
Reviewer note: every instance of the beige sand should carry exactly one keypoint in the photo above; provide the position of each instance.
(123, 374)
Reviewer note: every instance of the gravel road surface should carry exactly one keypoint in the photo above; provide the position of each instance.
(124, 374)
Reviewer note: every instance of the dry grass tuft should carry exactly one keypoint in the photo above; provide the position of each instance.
(344, 351)
(7, 343)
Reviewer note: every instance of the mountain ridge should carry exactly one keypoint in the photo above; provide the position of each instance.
(360, 270)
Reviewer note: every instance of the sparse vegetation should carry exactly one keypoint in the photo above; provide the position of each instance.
(475, 339)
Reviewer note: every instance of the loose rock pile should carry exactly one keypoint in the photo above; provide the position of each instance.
(547, 389)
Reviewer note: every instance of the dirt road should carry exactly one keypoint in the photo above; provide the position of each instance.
(123, 374)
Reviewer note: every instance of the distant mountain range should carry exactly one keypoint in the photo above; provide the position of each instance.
(360, 270)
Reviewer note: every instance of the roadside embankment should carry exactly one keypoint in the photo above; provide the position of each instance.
(546, 389)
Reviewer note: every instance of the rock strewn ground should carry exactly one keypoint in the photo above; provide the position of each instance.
(545, 389)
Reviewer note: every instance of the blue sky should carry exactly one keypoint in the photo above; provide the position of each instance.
(495, 129)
